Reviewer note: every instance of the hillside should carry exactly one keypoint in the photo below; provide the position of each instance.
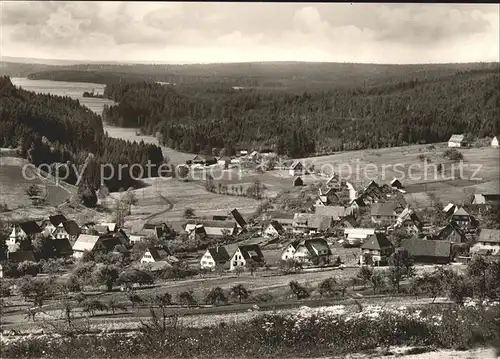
(207, 118)
(277, 75)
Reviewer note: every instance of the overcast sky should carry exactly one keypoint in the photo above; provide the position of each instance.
(234, 32)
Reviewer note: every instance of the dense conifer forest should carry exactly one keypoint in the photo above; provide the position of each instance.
(201, 118)
(56, 130)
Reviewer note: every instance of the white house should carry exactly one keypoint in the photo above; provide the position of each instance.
(135, 238)
(488, 242)
(494, 142)
(66, 230)
(289, 250)
(213, 257)
(20, 232)
(296, 169)
(457, 141)
(246, 255)
(155, 254)
(273, 230)
(357, 236)
(313, 251)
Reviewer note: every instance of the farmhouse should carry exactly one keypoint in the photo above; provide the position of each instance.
(347, 222)
(449, 209)
(238, 218)
(245, 256)
(428, 251)
(453, 233)
(213, 257)
(376, 250)
(298, 182)
(409, 220)
(156, 254)
(283, 218)
(462, 218)
(487, 243)
(357, 236)
(357, 203)
(49, 225)
(159, 230)
(213, 228)
(205, 160)
(135, 238)
(457, 141)
(93, 243)
(494, 142)
(67, 230)
(289, 250)
(335, 183)
(296, 169)
(335, 212)
(327, 198)
(314, 251)
(112, 227)
(396, 184)
(62, 248)
(273, 230)
(198, 232)
(21, 256)
(486, 199)
(310, 222)
(387, 211)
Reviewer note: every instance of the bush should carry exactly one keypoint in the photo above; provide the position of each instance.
(453, 154)
(216, 296)
(91, 306)
(28, 268)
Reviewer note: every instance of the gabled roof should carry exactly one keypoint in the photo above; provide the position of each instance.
(301, 219)
(336, 212)
(448, 207)
(461, 212)
(277, 226)
(489, 235)
(212, 228)
(251, 251)
(296, 164)
(159, 253)
(377, 241)
(456, 138)
(57, 219)
(206, 158)
(428, 248)
(72, 228)
(238, 218)
(219, 218)
(320, 222)
(111, 226)
(62, 246)
(85, 242)
(153, 225)
(450, 228)
(396, 182)
(384, 209)
(219, 254)
(30, 227)
(297, 181)
(372, 184)
(318, 244)
(102, 229)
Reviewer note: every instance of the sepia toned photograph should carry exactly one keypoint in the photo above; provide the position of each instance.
(249, 180)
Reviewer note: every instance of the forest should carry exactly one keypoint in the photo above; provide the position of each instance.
(58, 130)
(204, 119)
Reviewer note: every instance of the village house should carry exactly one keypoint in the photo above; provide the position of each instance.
(376, 250)
(112, 227)
(234, 216)
(283, 218)
(327, 198)
(372, 193)
(428, 251)
(67, 230)
(288, 252)
(157, 254)
(214, 257)
(297, 182)
(212, 228)
(297, 169)
(273, 230)
(457, 141)
(135, 238)
(335, 183)
(494, 142)
(453, 233)
(205, 160)
(243, 153)
(488, 243)
(197, 233)
(356, 236)
(357, 203)
(462, 218)
(335, 212)
(245, 256)
(49, 225)
(62, 248)
(486, 199)
(94, 243)
(21, 256)
(344, 223)
(158, 230)
(306, 223)
(313, 251)
(388, 212)
(409, 220)
(224, 161)
(21, 231)
(396, 184)
(449, 209)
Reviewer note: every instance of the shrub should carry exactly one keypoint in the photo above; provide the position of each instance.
(298, 291)
(91, 306)
(216, 296)
(187, 298)
(328, 287)
(240, 292)
(28, 268)
(453, 154)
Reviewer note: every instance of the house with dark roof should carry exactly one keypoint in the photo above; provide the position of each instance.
(288, 252)
(311, 223)
(396, 184)
(67, 230)
(313, 251)
(377, 250)
(296, 169)
(387, 211)
(409, 220)
(245, 256)
(62, 248)
(94, 243)
(453, 233)
(335, 183)
(155, 254)
(213, 257)
(212, 228)
(297, 182)
(462, 218)
(335, 212)
(238, 218)
(158, 230)
(122, 237)
(273, 230)
(457, 141)
(21, 256)
(488, 242)
(49, 225)
(205, 160)
(449, 209)
(21, 231)
(283, 218)
(428, 251)
(486, 198)
(354, 237)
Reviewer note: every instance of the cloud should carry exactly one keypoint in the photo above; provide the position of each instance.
(252, 31)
